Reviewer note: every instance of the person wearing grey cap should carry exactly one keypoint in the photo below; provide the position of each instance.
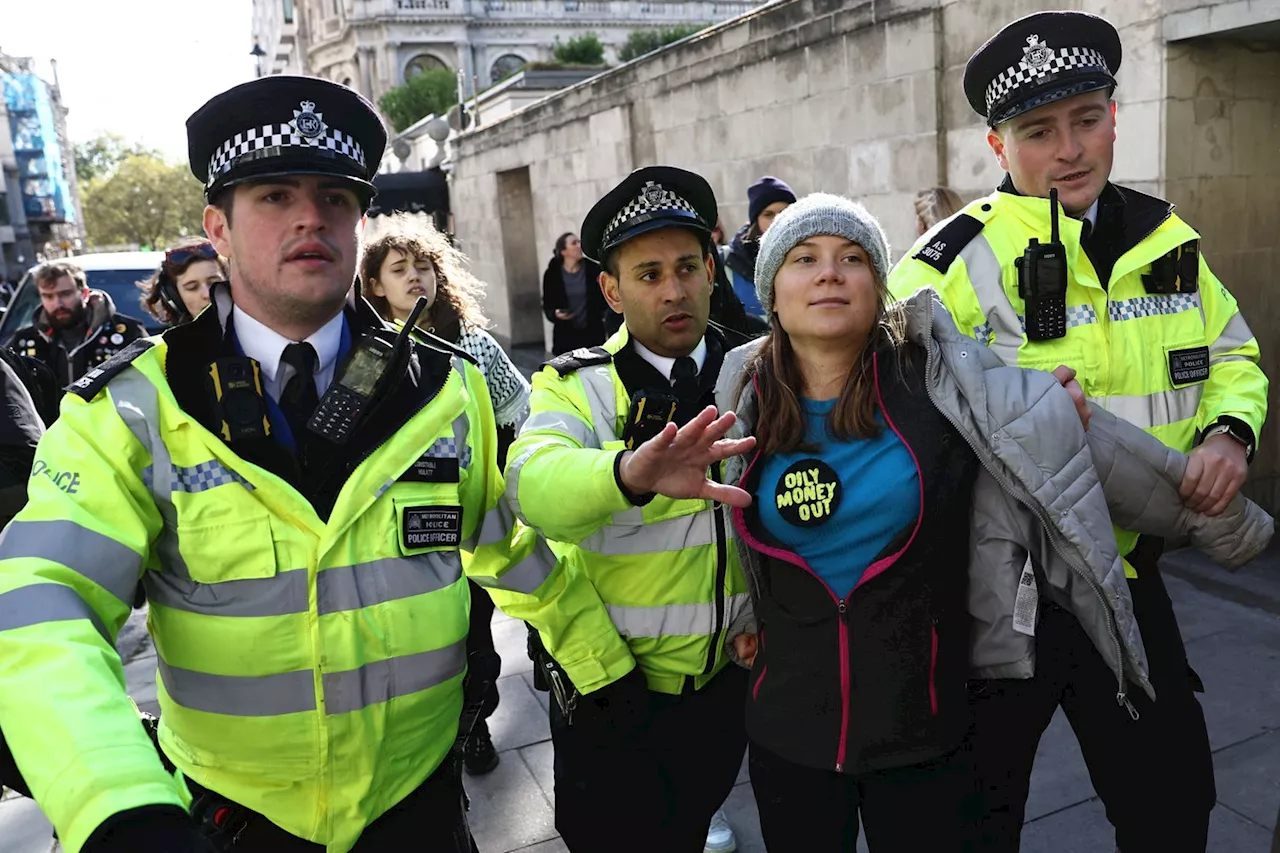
(902, 479)
(1063, 266)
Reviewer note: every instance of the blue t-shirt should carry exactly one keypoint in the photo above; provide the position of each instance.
(840, 506)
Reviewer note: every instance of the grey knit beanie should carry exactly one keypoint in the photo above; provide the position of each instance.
(818, 215)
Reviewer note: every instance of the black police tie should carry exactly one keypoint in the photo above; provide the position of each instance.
(1086, 231)
(299, 399)
(684, 379)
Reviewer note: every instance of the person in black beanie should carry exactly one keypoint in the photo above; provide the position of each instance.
(766, 198)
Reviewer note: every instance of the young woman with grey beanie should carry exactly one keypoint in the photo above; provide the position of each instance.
(903, 480)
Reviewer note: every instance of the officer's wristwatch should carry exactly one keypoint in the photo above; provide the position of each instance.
(1222, 428)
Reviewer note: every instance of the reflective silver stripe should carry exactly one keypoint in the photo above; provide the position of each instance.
(1234, 335)
(280, 595)
(385, 680)
(1223, 359)
(566, 423)
(1153, 410)
(240, 695)
(45, 602)
(138, 404)
(390, 579)
(495, 527)
(983, 269)
(1151, 306)
(673, 534)
(672, 620)
(514, 469)
(525, 576)
(88, 553)
(602, 401)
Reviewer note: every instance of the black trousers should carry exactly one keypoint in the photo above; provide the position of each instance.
(1154, 774)
(669, 775)
(916, 808)
(432, 819)
(480, 636)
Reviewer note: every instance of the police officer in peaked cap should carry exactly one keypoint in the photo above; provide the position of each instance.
(658, 725)
(293, 483)
(1125, 300)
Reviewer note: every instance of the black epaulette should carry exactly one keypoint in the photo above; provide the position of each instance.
(88, 386)
(572, 362)
(948, 242)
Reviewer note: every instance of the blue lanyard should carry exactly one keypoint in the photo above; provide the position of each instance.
(279, 425)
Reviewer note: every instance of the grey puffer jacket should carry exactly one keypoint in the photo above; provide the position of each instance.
(1049, 493)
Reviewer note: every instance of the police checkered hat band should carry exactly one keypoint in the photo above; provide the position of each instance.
(1055, 63)
(276, 140)
(652, 198)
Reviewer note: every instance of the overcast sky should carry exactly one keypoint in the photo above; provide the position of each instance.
(134, 67)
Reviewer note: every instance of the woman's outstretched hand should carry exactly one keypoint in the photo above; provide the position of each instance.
(674, 462)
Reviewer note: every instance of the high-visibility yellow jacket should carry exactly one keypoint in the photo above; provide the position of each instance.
(310, 670)
(1171, 363)
(667, 571)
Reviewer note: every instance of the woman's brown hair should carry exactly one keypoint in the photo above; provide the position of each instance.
(780, 424)
(150, 286)
(458, 292)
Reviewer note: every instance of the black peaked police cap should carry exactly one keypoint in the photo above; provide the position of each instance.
(1040, 59)
(648, 199)
(286, 125)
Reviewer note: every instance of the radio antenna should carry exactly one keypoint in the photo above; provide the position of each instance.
(1053, 215)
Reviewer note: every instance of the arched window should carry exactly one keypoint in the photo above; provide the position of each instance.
(505, 66)
(420, 63)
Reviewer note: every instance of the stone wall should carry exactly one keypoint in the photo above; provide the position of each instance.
(1222, 169)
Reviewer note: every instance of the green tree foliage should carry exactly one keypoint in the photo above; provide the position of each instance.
(640, 42)
(99, 157)
(145, 200)
(431, 92)
(585, 49)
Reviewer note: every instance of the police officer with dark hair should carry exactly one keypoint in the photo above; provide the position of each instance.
(295, 484)
(658, 724)
(1061, 266)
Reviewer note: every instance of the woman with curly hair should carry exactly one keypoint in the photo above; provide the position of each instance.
(409, 259)
(179, 290)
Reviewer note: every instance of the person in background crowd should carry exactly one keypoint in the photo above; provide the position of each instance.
(75, 328)
(717, 235)
(884, 559)
(655, 721)
(766, 198)
(571, 298)
(1158, 340)
(407, 260)
(179, 289)
(934, 205)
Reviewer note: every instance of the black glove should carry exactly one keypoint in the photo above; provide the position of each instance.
(479, 689)
(150, 829)
(621, 706)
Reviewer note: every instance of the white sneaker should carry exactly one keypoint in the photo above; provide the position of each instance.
(720, 835)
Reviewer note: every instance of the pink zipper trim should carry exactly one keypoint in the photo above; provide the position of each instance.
(880, 566)
(933, 669)
(755, 691)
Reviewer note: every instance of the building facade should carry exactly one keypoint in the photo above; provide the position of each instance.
(374, 45)
(40, 215)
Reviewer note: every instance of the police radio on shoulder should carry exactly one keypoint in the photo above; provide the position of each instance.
(361, 379)
(1042, 282)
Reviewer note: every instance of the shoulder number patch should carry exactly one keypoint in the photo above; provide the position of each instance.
(88, 386)
(948, 242)
(572, 362)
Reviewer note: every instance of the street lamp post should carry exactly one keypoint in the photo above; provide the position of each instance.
(257, 53)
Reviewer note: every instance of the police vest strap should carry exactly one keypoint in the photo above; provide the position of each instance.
(88, 386)
(946, 244)
(572, 362)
